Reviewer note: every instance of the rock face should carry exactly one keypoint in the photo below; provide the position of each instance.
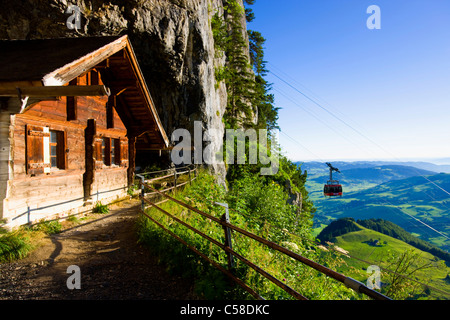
(172, 39)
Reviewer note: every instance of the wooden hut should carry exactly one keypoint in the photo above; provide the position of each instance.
(71, 111)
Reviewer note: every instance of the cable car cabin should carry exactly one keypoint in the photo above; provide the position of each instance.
(332, 189)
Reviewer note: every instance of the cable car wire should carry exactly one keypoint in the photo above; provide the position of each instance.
(353, 128)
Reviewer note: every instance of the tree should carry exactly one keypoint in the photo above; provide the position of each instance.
(267, 112)
(249, 14)
(404, 267)
(244, 70)
(238, 75)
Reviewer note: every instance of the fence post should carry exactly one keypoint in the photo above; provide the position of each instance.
(190, 180)
(142, 185)
(175, 179)
(226, 218)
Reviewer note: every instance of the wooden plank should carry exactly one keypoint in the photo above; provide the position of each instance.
(89, 61)
(110, 106)
(145, 91)
(56, 91)
(35, 150)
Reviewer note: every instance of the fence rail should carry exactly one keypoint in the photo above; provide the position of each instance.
(226, 247)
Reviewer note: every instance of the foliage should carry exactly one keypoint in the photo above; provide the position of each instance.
(398, 201)
(48, 227)
(393, 230)
(338, 228)
(14, 245)
(100, 208)
(265, 202)
(346, 225)
(404, 266)
(220, 34)
(257, 207)
(243, 74)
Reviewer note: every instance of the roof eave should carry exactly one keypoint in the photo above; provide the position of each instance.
(73, 69)
(146, 91)
(77, 67)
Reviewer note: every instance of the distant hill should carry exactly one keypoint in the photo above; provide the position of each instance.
(367, 247)
(357, 176)
(414, 203)
(317, 167)
(345, 225)
(338, 228)
(376, 174)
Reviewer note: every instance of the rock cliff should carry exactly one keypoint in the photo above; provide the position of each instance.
(172, 39)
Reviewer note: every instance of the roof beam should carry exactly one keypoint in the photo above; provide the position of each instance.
(55, 91)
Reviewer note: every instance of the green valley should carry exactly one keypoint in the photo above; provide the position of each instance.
(363, 247)
(407, 196)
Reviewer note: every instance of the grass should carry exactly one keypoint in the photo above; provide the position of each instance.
(210, 283)
(357, 243)
(101, 208)
(392, 201)
(15, 245)
(48, 227)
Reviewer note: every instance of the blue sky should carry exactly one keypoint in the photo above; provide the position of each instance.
(383, 94)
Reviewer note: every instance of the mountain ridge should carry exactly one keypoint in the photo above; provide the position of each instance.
(409, 197)
(344, 165)
(345, 225)
(377, 174)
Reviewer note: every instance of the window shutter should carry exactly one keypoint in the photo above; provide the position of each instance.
(117, 151)
(107, 151)
(124, 152)
(98, 152)
(35, 150)
(62, 153)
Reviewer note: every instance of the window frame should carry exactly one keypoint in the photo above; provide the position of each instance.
(110, 152)
(38, 153)
(61, 149)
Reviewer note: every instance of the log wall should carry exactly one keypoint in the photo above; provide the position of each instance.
(60, 192)
(5, 156)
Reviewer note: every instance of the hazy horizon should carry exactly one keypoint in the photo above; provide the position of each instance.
(435, 161)
(349, 92)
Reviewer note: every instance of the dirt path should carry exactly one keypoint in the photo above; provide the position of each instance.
(112, 264)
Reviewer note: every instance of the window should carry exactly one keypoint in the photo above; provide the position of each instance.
(54, 149)
(104, 143)
(107, 148)
(45, 149)
(57, 149)
(111, 151)
(123, 149)
(114, 152)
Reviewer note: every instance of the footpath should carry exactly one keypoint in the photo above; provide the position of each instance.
(112, 265)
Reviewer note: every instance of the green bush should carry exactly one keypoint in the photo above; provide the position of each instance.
(48, 227)
(100, 208)
(13, 246)
(263, 211)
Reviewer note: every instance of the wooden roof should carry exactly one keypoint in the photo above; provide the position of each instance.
(55, 62)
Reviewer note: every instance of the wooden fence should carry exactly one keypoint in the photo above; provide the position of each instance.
(148, 190)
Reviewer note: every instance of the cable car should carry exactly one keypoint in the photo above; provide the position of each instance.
(332, 188)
